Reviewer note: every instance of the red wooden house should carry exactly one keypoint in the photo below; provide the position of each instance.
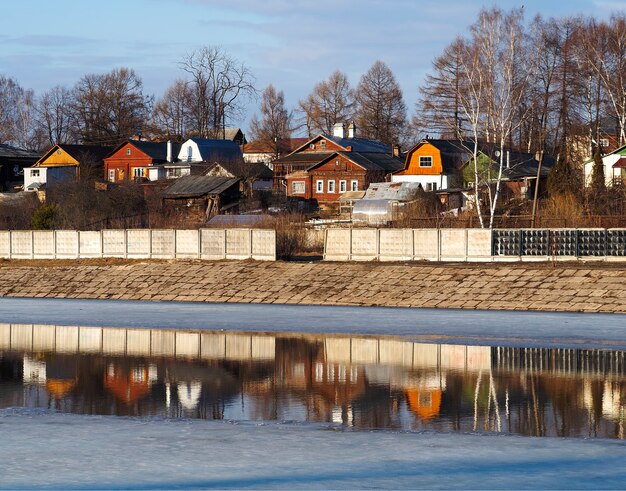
(327, 166)
(133, 159)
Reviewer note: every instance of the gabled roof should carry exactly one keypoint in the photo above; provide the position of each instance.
(9, 152)
(621, 151)
(372, 161)
(453, 153)
(356, 144)
(195, 186)
(217, 150)
(284, 145)
(244, 170)
(79, 152)
(157, 151)
(232, 133)
(309, 158)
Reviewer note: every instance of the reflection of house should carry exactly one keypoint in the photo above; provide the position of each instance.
(198, 198)
(328, 166)
(128, 385)
(65, 162)
(12, 163)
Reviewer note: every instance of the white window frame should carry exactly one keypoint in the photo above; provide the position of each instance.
(128, 151)
(35, 173)
(298, 187)
(139, 172)
(354, 185)
(343, 186)
(431, 186)
(331, 186)
(430, 159)
(319, 186)
(111, 175)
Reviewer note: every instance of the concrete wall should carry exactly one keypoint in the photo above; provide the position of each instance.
(212, 244)
(473, 245)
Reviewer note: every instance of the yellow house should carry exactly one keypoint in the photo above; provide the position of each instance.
(65, 162)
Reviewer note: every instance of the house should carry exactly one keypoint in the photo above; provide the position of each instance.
(65, 162)
(614, 164)
(209, 151)
(198, 198)
(12, 163)
(265, 153)
(233, 135)
(252, 176)
(139, 160)
(327, 166)
(434, 164)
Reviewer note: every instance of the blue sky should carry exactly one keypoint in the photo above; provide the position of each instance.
(290, 43)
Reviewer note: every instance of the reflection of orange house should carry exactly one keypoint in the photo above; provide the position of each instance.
(128, 386)
(425, 403)
(59, 388)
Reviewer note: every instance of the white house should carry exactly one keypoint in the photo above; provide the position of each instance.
(614, 167)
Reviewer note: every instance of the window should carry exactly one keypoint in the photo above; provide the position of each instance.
(354, 185)
(604, 142)
(139, 172)
(34, 173)
(128, 151)
(343, 185)
(426, 161)
(331, 186)
(319, 186)
(312, 146)
(431, 186)
(111, 175)
(322, 143)
(189, 153)
(297, 187)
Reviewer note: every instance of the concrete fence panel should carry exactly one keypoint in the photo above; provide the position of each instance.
(22, 337)
(66, 339)
(90, 339)
(138, 342)
(114, 341)
(453, 244)
(162, 343)
(364, 350)
(615, 248)
(187, 244)
(479, 244)
(238, 243)
(393, 352)
(5, 336)
(212, 243)
(264, 245)
(212, 345)
(138, 243)
(263, 347)
(426, 244)
(162, 244)
(114, 243)
(338, 350)
(22, 244)
(396, 244)
(67, 244)
(89, 244)
(5, 244)
(43, 337)
(238, 347)
(187, 344)
(43, 244)
(337, 244)
(364, 245)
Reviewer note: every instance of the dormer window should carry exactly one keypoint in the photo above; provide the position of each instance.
(426, 161)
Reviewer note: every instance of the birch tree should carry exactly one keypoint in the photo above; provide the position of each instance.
(274, 124)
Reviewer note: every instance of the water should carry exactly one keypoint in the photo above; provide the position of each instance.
(353, 381)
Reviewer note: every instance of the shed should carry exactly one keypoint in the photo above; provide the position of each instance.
(201, 197)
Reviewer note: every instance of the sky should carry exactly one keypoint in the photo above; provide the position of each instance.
(291, 44)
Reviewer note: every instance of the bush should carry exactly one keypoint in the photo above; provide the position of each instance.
(45, 217)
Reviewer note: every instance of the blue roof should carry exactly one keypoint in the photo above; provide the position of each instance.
(218, 150)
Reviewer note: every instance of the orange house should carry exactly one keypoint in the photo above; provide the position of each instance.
(434, 164)
(132, 160)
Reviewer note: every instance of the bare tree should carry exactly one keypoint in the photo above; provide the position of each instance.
(17, 122)
(110, 108)
(380, 108)
(219, 84)
(275, 123)
(53, 116)
(171, 115)
(330, 102)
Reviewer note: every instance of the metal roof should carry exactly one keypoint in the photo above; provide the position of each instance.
(155, 150)
(375, 161)
(361, 144)
(398, 191)
(194, 186)
(7, 151)
(218, 150)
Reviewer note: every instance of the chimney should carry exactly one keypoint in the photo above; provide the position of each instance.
(351, 130)
(338, 130)
(169, 151)
(395, 148)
